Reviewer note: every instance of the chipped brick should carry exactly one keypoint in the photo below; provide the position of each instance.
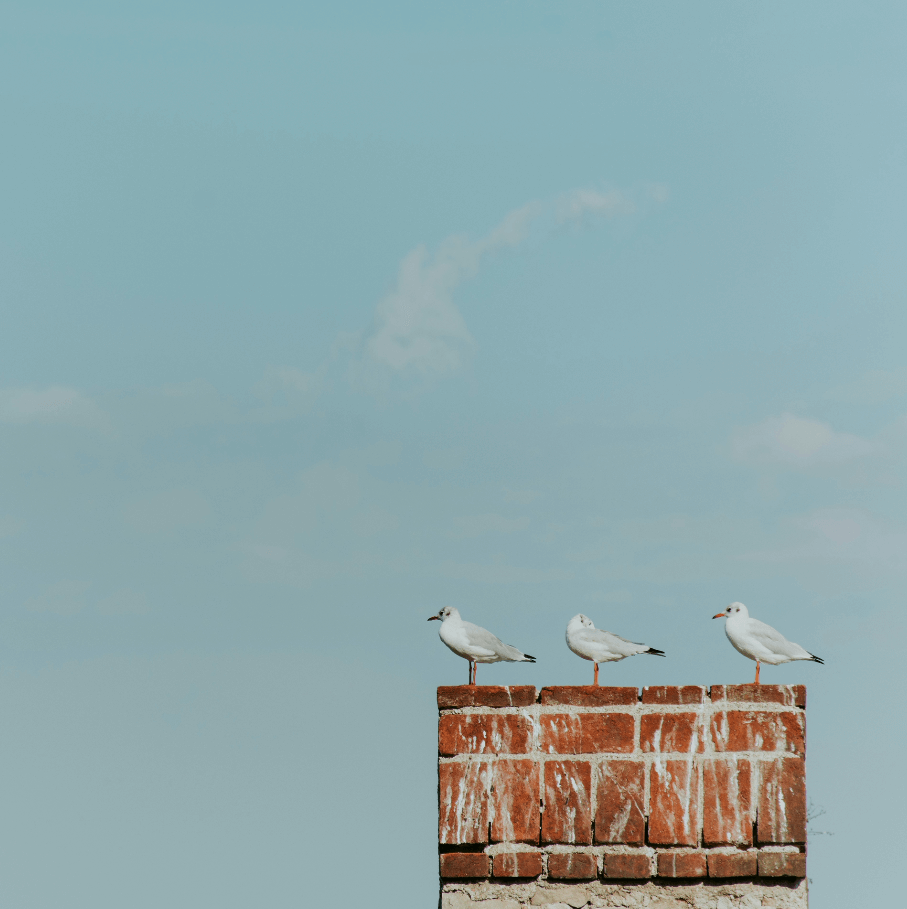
(628, 866)
(450, 696)
(484, 733)
(620, 797)
(588, 695)
(463, 802)
(727, 802)
(673, 803)
(734, 864)
(672, 732)
(674, 694)
(789, 695)
(754, 730)
(782, 864)
(514, 795)
(464, 865)
(517, 864)
(566, 866)
(782, 801)
(567, 816)
(682, 864)
(586, 733)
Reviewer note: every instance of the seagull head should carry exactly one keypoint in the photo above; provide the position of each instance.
(443, 613)
(732, 611)
(580, 621)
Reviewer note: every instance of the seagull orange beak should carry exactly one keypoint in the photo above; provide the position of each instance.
(434, 618)
(720, 615)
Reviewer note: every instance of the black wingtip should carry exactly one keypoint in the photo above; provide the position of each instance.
(530, 659)
(654, 652)
(817, 659)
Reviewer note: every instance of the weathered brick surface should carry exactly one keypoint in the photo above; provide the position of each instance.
(789, 695)
(463, 802)
(782, 801)
(568, 812)
(735, 864)
(517, 864)
(628, 866)
(572, 866)
(682, 864)
(782, 864)
(450, 696)
(588, 695)
(586, 733)
(464, 865)
(514, 798)
(663, 733)
(674, 694)
(674, 803)
(484, 734)
(755, 730)
(620, 802)
(727, 810)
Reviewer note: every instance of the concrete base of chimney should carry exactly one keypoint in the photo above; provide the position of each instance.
(791, 894)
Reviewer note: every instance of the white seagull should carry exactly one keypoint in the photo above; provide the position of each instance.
(473, 643)
(758, 641)
(586, 641)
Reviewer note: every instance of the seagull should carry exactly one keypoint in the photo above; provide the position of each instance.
(758, 641)
(473, 643)
(586, 641)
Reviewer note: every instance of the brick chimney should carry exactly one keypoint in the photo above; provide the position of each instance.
(673, 796)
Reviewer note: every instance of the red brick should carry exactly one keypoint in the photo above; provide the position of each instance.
(782, 864)
(514, 809)
(567, 866)
(588, 695)
(567, 817)
(586, 733)
(464, 864)
(674, 694)
(485, 696)
(754, 730)
(782, 801)
(625, 866)
(619, 812)
(789, 695)
(463, 802)
(673, 803)
(682, 864)
(517, 864)
(672, 732)
(484, 733)
(734, 864)
(727, 817)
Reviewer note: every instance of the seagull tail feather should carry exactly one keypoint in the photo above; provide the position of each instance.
(654, 652)
(816, 659)
(527, 658)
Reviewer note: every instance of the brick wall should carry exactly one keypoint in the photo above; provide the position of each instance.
(584, 795)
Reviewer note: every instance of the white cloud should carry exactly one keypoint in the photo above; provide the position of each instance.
(286, 392)
(56, 404)
(799, 442)
(418, 328)
(580, 204)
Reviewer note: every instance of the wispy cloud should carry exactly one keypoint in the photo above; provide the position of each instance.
(418, 328)
(57, 404)
(799, 442)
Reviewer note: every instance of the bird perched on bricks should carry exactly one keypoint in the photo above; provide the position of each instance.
(590, 643)
(758, 641)
(473, 643)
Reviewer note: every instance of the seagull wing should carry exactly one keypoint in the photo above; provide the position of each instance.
(773, 640)
(481, 638)
(614, 642)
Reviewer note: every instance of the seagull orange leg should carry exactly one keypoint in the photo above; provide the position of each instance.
(757, 672)
(596, 673)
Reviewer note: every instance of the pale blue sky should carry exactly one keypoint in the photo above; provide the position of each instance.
(316, 320)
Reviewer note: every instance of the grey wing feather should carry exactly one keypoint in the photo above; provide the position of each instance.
(767, 635)
(480, 637)
(606, 637)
